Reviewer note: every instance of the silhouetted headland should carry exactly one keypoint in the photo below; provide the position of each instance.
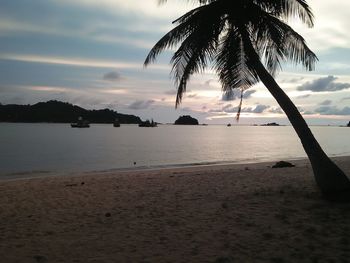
(61, 112)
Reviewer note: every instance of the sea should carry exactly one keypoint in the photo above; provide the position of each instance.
(46, 148)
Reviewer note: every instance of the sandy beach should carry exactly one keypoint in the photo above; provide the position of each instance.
(219, 214)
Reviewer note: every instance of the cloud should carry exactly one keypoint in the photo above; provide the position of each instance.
(141, 104)
(208, 82)
(112, 76)
(186, 109)
(325, 103)
(346, 98)
(229, 108)
(78, 62)
(148, 8)
(215, 110)
(113, 91)
(324, 84)
(308, 112)
(236, 94)
(277, 110)
(331, 110)
(260, 108)
(48, 89)
(303, 96)
(192, 95)
(171, 92)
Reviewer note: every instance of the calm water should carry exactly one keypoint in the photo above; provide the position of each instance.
(59, 148)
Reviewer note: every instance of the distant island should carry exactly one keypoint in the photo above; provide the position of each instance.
(61, 112)
(186, 120)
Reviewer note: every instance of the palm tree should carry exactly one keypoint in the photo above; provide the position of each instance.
(245, 41)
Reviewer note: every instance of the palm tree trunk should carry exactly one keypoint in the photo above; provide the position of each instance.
(332, 181)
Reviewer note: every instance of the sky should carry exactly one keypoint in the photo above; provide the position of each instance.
(91, 53)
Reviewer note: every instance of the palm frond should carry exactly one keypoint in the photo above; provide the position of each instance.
(175, 36)
(288, 8)
(196, 50)
(232, 65)
(277, 42)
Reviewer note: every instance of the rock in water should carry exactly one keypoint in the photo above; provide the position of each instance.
(186, 120)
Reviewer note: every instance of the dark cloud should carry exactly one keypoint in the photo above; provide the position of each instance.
(112, 76)
(331, 110)
(141, 104)
(260, 108)
(229, 108)
(303, 96)
(324, 84)
(325, 103)
(236, 94)
(346, 98)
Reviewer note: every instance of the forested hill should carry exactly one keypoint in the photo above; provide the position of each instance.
(60, 112)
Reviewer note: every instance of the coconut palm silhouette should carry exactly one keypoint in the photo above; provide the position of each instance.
(245, 41)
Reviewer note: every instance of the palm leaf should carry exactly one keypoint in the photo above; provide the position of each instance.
(175, 36)
(288, 8)
(197, 49)
(232, 65)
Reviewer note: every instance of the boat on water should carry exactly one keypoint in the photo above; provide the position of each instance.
(116, 123)
(148, 123)
(80, 123)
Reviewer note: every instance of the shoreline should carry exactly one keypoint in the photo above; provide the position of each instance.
(214, 214)
(25, 175)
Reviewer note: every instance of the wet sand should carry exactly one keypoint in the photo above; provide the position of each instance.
(223, 213)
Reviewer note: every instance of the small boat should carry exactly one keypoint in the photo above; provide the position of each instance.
(80, 124)
(148, 123)
(116, 123)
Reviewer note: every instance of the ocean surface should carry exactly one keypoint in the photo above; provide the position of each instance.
(58, 148)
